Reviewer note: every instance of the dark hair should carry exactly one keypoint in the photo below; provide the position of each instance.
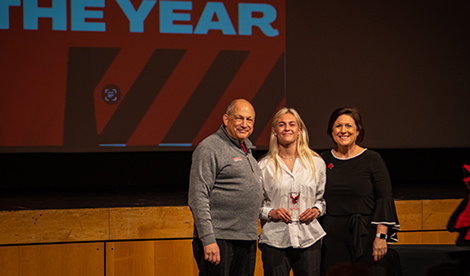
(354, 113)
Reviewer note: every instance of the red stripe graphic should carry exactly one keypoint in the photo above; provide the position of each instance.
(174, 87)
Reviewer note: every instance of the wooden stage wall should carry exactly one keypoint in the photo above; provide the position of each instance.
(149, 240)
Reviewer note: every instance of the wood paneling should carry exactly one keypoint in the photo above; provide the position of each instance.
(53, 260)
(151, 258)
(418, 216)
(151, 223)
(111, 224)
(427, 237)
(436, 213)
(161, 239)
(410, 214)
(48, 226)
(171, 257)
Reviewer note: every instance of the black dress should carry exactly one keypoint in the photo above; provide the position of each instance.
(358, 196)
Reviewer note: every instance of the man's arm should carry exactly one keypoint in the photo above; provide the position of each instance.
(201, 183)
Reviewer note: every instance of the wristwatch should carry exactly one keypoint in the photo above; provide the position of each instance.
(381, 236)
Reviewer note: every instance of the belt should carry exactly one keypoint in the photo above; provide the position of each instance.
(357, 225)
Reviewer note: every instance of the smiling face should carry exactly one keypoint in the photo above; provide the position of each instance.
(345, 131)
(286, 130)
(240, 123)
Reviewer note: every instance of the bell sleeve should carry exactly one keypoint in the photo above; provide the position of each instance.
(385, 212)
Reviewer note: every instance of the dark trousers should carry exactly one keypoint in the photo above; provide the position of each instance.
(303, 261)
(237, 258)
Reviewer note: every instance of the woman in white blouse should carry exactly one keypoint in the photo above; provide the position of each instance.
(294, 182)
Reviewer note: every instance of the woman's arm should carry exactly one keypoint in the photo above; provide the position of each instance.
(380, 243)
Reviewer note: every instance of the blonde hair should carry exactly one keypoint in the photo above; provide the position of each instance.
(303, 150)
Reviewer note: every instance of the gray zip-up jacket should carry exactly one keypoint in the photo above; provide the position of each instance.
(225, 189)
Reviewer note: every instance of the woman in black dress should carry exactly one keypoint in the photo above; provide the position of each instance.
(360, 215)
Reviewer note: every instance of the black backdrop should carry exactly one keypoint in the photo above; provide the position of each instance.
(404, 65)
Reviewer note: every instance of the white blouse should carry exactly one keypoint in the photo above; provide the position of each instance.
(276, 195)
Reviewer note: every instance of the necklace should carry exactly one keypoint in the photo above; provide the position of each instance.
(290, 158)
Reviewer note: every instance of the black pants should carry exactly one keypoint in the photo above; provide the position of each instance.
(237, 258)
(303, 261)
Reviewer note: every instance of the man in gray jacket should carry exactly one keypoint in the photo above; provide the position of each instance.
(225, 195)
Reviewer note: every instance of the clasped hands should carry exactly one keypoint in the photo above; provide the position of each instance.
(282, 214)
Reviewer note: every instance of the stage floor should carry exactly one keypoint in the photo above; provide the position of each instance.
(91, 198)
(416, 260)
(35, 181)
(144, 196)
